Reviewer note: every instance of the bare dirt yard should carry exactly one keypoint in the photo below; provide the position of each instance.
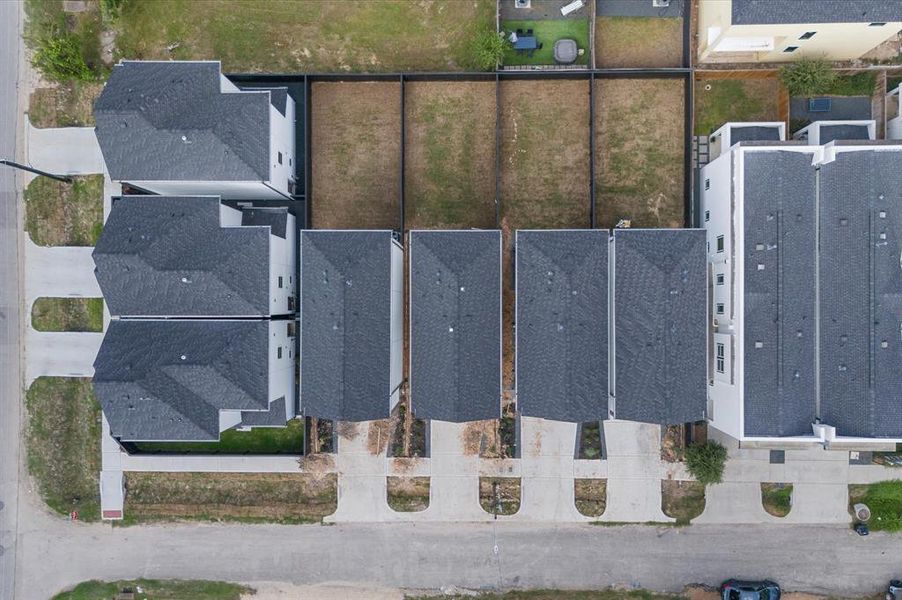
(638, 42)
(545, 154)
(450, 162)
(356, 139)
(251, 497)
(639, 133)
(408, 494)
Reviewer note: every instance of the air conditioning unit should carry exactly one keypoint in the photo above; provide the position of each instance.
(660, 3)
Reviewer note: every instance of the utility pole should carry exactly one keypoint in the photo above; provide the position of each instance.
(15, 165)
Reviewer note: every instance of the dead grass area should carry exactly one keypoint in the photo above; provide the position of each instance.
(356, 137)
(672, 444)
(64, 214)
(719, 101)
(591, 496)
(450, 162)
(479, 438)
(508, 307)
(408, 494)
(499, 495)
(545, 154)
(64, 105)
(378, 436)
(638, 42)
(682, 500)
(639, 152)
(269, 497)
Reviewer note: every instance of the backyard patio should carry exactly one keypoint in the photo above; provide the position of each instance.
(533, 42)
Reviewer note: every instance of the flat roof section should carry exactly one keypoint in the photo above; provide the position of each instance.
(830, 133)
(754, 133)
(455, 324)
(562, 324)
(345, 324)
(779, 279)
(861, 293)
(168, 380)
(660, 325)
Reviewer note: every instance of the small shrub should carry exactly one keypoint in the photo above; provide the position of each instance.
(110, 10)
(808, 77)
(59, 58)
(706, 462)
(488, 49)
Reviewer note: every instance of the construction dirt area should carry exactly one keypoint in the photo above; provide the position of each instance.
(450, 155)
(356, 137)
(545, 154)
(639, 137)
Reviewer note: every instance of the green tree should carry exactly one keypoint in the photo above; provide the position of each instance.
(59, 58)
(706, 461)
(488, 49)
(808, 77)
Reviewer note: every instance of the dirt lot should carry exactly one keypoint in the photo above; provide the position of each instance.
(682, 500)
(545, 154)
(591, 496)
(64, 105)
(356, 136)
(639, 152)
(264, 497)
(734, 100)
(450, 161)
(408, 494)
(638, 42)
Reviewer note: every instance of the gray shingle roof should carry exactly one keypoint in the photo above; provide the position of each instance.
(753, 133)
(861, 293)
(274, 218)
(830, 133)
(751, 12)
(346, 324)
(455, 313)
(168, 380)
(660, 325)
(562, 324)
(780, 375)
(168, 256)
(168, 121)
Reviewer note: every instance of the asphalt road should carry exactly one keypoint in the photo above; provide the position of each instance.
(9, 300)
(829, 560)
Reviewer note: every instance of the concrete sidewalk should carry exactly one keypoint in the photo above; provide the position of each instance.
(64, 151)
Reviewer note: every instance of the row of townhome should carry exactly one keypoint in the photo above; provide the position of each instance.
(805, 285)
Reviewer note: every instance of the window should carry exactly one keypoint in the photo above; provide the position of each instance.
(791, 49)
(279, 352)
(707, 184)
(280, 158)
(876, 24)
(720, 279)
(807, 35)
(720, 243)
(280, 281)
(720, 358)
(720, 308)
(707, 216)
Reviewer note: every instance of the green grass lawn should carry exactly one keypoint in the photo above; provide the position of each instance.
(739, 100)
(547, 33)
(682, 500)
(63, 444)
(860, 84)
(885, 501)
(154, 589)
(321, 36)
(64, 214)
(259, 440)
(67, 314)
(777, 498)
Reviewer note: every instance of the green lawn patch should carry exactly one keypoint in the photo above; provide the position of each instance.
(64, 214)
(860, 84)
(46, 20)
(499, 495)
(885, 501)
(322, 36)
(259, 440)
(63, 444)
(155, 589)
(547, 33)
(67, 314)
(734, 100)
(777, 498)
(682, 500)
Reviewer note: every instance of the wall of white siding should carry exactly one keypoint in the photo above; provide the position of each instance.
(281, 370)
(397, 321)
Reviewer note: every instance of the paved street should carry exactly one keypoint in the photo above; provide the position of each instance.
(435, 555)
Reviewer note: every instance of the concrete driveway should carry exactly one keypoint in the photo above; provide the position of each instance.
(64, 151)
(59, 272)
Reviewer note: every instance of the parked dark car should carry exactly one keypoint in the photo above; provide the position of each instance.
(735, 589)
(862, 529)
(894, 590)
